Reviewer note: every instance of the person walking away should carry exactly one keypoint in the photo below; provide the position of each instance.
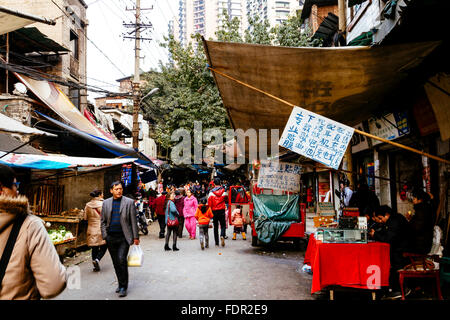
(160, 203)
(92, 213)
(33, 269)
(179, 203)
(203, 215)
(364, 199)
(151, 204)
(216, 201)
(189, 209)
(396, 232)
(172, 214)
(120, 230)
(237, 221)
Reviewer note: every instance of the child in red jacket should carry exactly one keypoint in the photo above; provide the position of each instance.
(203, 216)
(237, 221)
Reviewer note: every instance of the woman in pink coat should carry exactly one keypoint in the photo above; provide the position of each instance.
(190, 206)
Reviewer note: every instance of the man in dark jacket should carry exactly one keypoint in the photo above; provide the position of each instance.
(395, 232)
(422, 222)
(217, 203)
(364, 199)
(120, 230)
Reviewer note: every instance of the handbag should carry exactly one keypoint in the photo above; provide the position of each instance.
(10, 246)
(172, 222)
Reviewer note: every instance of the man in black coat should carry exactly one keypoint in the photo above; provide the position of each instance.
(422, 222)
(395, 231)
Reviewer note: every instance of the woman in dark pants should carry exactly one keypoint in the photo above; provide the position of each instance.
(171, 213)
(94, 234)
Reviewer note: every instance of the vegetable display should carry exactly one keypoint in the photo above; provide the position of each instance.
(60, 235)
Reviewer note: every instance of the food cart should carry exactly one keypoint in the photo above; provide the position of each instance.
(275, 204)
(296, 229)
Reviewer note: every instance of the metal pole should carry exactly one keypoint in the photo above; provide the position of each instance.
(7, 62)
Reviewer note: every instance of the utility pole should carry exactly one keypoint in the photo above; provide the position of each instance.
(342, 9)
(137, 78)
(137, 26)
(136, 85)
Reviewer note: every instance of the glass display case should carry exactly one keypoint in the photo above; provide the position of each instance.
(334, 235)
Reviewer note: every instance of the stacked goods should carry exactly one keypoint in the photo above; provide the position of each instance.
(60, 235)
(46, 199)
(73, 213)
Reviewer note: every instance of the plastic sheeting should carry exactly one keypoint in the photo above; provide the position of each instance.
(273, 215)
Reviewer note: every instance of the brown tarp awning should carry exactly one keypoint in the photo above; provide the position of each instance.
(345, 84)
(437, 89)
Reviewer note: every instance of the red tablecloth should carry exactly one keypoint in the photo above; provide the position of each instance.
(347, 265)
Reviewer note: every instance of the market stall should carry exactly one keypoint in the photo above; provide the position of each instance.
(355, 265)
(58, 189)
(276, 211)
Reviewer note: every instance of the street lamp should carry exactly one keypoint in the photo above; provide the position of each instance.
(152, 92)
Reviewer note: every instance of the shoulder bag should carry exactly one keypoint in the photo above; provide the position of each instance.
(10, 246)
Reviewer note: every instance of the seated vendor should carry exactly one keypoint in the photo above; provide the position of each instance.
(395, 231)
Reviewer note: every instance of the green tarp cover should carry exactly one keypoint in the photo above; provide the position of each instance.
(273, 215)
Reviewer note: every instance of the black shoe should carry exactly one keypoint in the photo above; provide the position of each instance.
(166, 247)
(122, 292)
(175, 248)
(161, 236)
(96, 265)
(392, 295)
(118, 289)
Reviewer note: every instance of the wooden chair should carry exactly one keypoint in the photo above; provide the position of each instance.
(421, 266)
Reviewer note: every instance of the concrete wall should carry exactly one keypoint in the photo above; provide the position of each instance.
(368, 19)
(59, 33)
(78, 188)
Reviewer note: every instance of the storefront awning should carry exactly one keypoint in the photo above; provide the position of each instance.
(41, 162)
(120, 150)
(10, 125)
(13, 20)
(345, 84)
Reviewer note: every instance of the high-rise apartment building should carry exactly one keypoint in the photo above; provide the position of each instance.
(275, 11)
(206, 16)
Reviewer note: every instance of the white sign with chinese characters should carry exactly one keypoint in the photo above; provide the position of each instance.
(279, 176)
(316, 137)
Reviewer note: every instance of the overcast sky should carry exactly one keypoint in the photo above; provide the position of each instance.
(105, 30)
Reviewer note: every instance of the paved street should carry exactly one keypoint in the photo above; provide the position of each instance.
(237, 271)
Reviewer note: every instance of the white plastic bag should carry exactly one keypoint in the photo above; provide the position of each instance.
(135, 256)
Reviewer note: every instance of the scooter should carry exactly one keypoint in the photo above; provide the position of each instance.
(142, 222)
(141, 218)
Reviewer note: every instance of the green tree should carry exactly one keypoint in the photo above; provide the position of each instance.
(188, 92)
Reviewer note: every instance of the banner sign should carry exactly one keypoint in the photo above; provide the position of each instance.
(279, 176)
(392, 126)
(316, 137)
